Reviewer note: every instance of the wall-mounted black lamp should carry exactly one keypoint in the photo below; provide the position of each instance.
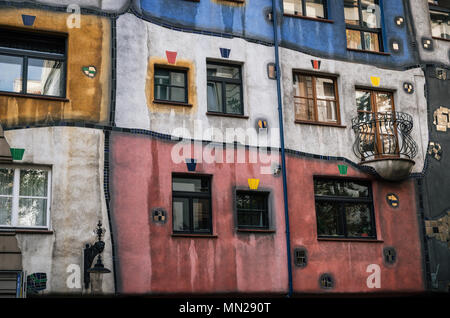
(90, 252)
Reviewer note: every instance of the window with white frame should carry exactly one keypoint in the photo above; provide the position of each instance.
(24, 196)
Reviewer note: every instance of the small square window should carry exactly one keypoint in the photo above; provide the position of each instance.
(252, 210)
(171, 85)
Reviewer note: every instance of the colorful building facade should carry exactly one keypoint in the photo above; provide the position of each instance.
(227, 147)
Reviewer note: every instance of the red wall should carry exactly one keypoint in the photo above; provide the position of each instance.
(151, 260)
(347, 261)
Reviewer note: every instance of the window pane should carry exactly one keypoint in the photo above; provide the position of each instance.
(389, 144)
(304, 109)
(369, 10)
(224, 71)
(190, 184)
(293, 7)
(233, 99)
(303, 86)
(6, 181)
(371, 42)
(359, 222)
(11, 73)
(252, 210)
(161, 92)
(384, 102)
(325, 88)
(32, 212)
(162, 77)
(354, 189)
(354, 39)
(33, 183)
(326, 111)
(177, 79)
(5, 210)
(351, 12)
(45, 77)
(177, 94)
(315, 9)
(201, 215)
(363, 101)
(214, 97)
(440, 24)
(367, 143)
(180, 214)
(328, 219)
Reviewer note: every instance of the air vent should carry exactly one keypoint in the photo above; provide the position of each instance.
(326, 281)
(390, 255)
(300, 257)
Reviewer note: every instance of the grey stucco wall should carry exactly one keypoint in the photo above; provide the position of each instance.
(77, 202)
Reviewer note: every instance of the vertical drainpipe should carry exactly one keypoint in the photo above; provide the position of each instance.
(283, 159)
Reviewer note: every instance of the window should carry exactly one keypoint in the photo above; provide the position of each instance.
(315, 99)
(171, 85)
(191, 204)
(32, 63)
(440, 19)
(362, 18)
(225, 88)
(344, 208)
(379, 136)
(252, 210)
(24, 197)
(307, 8)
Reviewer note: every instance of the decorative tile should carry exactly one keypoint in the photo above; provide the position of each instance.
(408, 87)
(89, 71)
(28, 20)
(435, 150)
(316, 64)
(375, 80)
(225, 53)
(392, 200)
(441, 118)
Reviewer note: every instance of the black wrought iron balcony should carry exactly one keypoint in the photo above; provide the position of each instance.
(383, 141)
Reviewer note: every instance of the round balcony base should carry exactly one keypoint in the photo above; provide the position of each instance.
(392, 169)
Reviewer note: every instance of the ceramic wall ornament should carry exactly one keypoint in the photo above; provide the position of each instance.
(435, 150)
(89, 71)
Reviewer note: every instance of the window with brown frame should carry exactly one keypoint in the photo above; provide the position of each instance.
(380, 136)
(316, 99)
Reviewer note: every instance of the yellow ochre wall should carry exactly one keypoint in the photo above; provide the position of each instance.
(87, 98)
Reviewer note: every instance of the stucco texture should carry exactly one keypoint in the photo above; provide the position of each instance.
(87, 98)
(75, 156)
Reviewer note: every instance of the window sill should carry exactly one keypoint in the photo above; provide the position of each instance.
(26, 231)
(307, 18)
(54, 98)
(194, 235)
(255, 231)
(359, 240)
(319, 123)
(440, 39)
(371, 52)
(165, 102)
(227, 115)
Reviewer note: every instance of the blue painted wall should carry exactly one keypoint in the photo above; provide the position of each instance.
(317, 38)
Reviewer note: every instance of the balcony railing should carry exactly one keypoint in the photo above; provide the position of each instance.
(384, 135)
